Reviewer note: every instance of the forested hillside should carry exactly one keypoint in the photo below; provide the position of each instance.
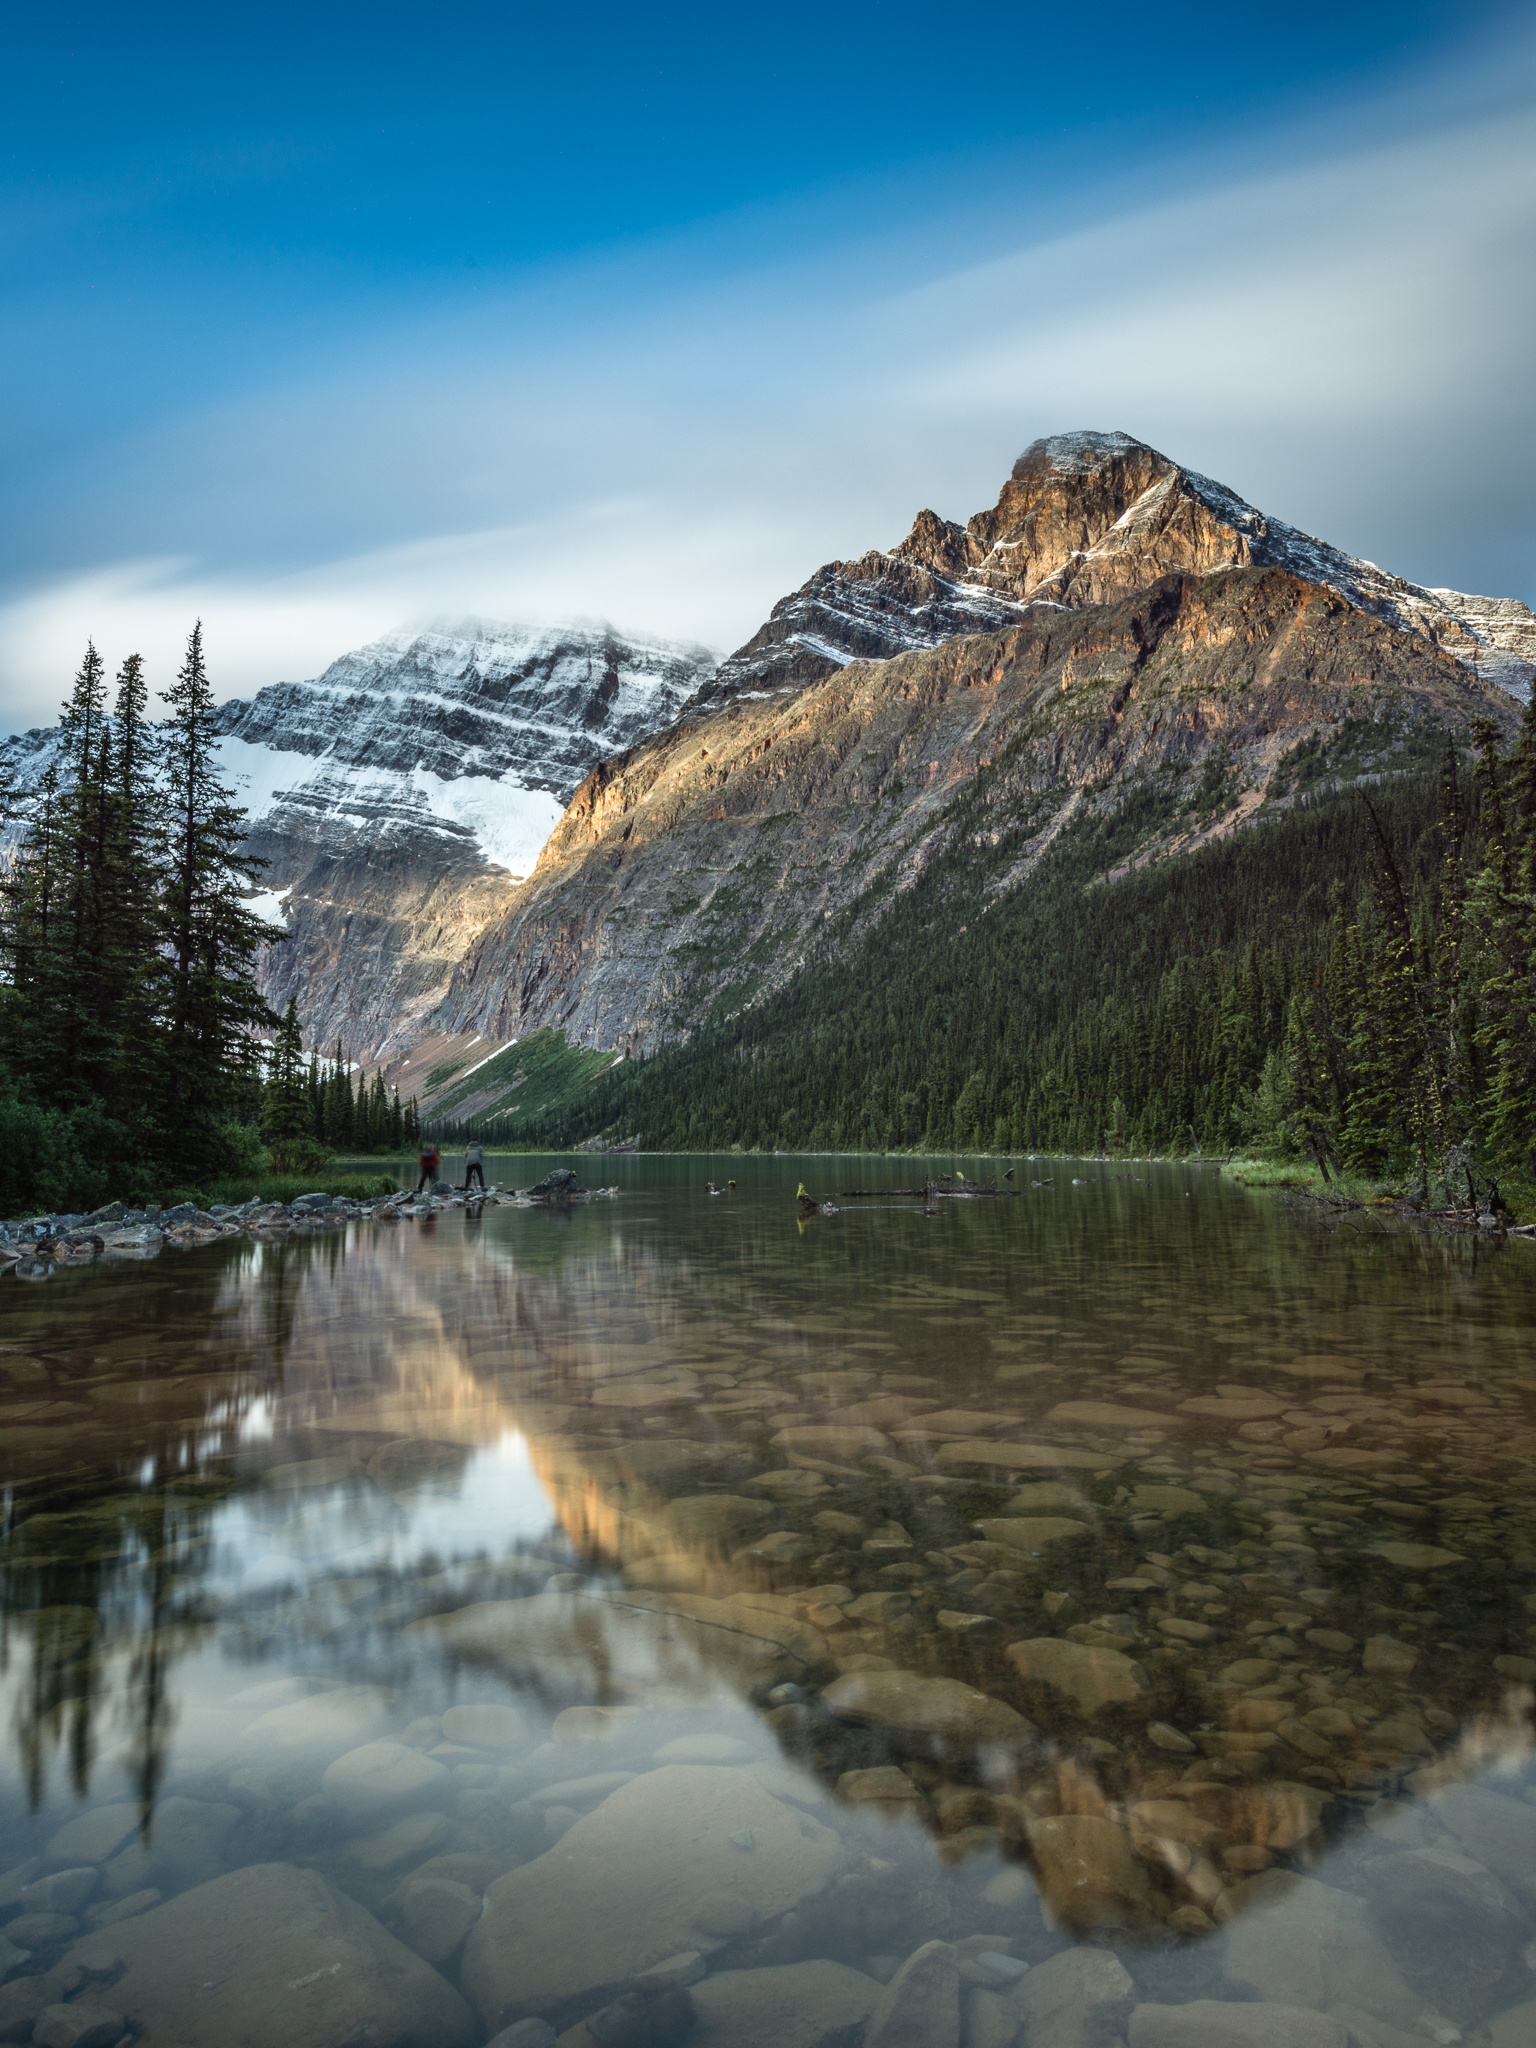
(1352, 979)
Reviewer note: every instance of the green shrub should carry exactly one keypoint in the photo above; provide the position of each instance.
(52, 1159)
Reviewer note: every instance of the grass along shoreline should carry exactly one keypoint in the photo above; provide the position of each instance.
(1342, 1190)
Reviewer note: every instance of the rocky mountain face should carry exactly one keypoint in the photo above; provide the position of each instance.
(1114, 624)
(400, 798)
(697, 870)
(1084, 519)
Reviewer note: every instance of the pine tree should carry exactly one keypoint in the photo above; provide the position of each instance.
(134, 980)
(1506, 906)
(213, 1008)
(32, 894)
(378, 1114)
(340, 1109)
(65, 1029)
(315, 1087)
(285, 1111)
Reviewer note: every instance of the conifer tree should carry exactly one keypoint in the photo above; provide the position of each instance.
(212, 1005)
(316, 1091)
(1506, 904)
(285, 1110)
(378, 1114)
(133, 978)
(340, 1109)
(67, 1022)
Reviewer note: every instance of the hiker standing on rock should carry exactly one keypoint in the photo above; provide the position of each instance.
(428, 1163)
(473, 1170)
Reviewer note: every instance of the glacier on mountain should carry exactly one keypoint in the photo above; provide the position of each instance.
(474, 728)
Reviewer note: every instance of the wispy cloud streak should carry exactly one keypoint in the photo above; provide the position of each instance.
(1345, 341)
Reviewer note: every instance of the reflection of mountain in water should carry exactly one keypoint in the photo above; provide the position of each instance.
(1157, 1599)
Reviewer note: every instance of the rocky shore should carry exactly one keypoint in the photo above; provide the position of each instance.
(37, 1244)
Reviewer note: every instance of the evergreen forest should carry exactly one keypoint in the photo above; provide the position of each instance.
(130, 1022)
(1352, 982)
(311, 1111)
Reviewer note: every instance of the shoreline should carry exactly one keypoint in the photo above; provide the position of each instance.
(36, 1246)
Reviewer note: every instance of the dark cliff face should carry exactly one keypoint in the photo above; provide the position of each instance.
(697, 870)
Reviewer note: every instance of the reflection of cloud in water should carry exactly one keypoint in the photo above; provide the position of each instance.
(780, 1471)
(488, 1503)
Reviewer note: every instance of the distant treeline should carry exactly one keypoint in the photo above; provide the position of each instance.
(1354, 980)
(310, 1111)
(130, 1055)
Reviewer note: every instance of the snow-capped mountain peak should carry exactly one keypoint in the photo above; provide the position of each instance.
(1085, 518)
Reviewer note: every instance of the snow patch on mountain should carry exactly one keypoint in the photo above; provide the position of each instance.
(510, 822)
(475, 733)
(1075, 453)
(271, 906)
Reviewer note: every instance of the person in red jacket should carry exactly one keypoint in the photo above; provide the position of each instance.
(428, 1166)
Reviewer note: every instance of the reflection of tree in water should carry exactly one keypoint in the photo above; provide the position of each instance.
(651, 1378)
(104, 1557)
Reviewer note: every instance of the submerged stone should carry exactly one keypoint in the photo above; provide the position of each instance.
(920, 2007)
(1293, 1939)
(1169, 1500)
(1210, 2023)
(969, 1454)
(1044, 1495)
(1093, 1677)
(92, 1837)
(651, 1873)
(917, 1705)
(486, 1727)
(323, 1725)
(1109, 1415)
(795, 2005)
(1033, 1534)
(183, 1846)
(275, 1954)
(1416, 1557)
(1088, 1873)
(1077, 1999)
(381, 1778)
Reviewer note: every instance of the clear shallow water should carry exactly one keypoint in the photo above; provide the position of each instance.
(420, 1629)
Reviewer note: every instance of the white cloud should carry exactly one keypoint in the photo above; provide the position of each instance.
(1346, 343)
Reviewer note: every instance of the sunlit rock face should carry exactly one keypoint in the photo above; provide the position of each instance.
(702, 868)
(399, 797)
(1113, 619)
(1084, 519)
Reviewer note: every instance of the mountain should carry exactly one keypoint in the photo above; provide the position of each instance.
(476, 830)
(1084, 519)
(1116, 638)
(400, 798)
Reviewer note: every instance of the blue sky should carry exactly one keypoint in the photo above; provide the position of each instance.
(317, 320)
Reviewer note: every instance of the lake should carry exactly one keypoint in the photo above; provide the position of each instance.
(1102, 1614)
